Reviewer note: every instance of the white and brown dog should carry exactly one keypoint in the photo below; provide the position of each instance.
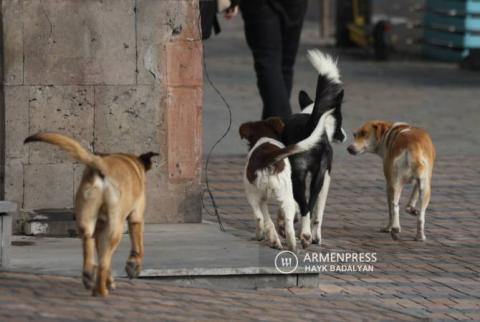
(267, 174)
(408, 156)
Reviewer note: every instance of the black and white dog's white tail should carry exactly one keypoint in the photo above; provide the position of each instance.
(329, 93)
(328, 99)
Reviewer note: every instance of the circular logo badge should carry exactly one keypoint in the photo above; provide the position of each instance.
(286, 262)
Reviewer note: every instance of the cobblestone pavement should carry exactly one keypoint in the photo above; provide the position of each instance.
(27, 297)
(437, 279)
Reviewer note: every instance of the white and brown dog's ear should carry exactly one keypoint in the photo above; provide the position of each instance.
(380, 128)
(245, 131)
(276, 124)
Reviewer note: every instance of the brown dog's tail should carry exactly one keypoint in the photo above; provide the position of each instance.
(72, 147)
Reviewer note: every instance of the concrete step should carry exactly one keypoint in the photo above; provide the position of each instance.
(51, 222)
(182, 254)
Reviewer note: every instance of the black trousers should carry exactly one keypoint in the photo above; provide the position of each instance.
(272, 30)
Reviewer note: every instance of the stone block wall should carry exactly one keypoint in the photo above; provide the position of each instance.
(118, 75)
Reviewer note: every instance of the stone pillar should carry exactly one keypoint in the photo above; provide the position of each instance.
(118, 75)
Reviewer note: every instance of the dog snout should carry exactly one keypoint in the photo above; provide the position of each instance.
(351, 149)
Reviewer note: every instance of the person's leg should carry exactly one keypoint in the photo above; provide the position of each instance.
(291, 31)
(263, 34)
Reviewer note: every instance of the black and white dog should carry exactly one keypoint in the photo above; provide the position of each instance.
(316, 162)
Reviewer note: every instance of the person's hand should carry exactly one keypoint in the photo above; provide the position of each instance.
(230, 12)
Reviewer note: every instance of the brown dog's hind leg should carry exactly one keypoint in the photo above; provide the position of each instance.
(111, 282)
(86, 223)
(410, 208)
(135, 229)
(88, 271)
(107, 241)
(87, 203)
(134, 261)
(394, 191)
(425, 191)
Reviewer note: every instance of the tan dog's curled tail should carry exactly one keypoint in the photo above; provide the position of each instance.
(72, 147)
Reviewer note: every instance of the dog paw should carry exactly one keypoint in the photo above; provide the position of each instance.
(111, 284)
(306, 240)
(103, 292)
(88, 279)
(276, 244)
(412, 211)
(292, 248)
(395, 232)
(386, 229)
(259, 235)
(317, 237)
(420, 238)
(133, 269)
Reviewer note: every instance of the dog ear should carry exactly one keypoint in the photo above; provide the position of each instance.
(380, 129)
(304, 100)
(146, 159)
(276, 124)
(245, 131)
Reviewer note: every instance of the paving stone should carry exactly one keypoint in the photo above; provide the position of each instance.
(153, 300)
(79, 43)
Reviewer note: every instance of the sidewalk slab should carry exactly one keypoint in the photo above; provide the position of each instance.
(185, 254)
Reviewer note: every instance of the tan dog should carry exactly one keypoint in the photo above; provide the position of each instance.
(408, 156)
(112, 190)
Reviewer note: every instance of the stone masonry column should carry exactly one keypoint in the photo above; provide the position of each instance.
(118, 75)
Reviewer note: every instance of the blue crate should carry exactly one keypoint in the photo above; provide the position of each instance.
(452, 23)
(444, 53)
(451, 39)
(454, 7)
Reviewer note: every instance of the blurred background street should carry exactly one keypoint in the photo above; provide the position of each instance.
(438, 96)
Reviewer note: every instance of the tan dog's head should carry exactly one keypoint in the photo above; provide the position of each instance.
(146, 159)
(254, 131)
(368, 137)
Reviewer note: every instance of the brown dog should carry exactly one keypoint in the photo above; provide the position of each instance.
(112, 190)
(408, 155)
